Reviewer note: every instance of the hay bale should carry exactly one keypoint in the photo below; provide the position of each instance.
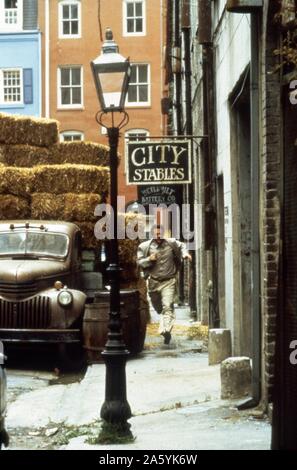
(47, 206)
(2, 154)
(28, 130)
(26, 156)
(86, 153)
(81, 206)
(128, 253)
(70, 207)
(13, 207)
(16, 181)
(89, 241)
(67, 178)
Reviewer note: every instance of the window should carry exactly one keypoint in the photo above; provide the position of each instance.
(11, 14)
(134, 18)
(70, 19)
(70, 87)
(11, 86)
(139, 87)
(71, 136)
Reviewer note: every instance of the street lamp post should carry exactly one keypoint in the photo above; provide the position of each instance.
(111, 73)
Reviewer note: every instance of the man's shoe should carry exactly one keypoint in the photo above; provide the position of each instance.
(167, 337)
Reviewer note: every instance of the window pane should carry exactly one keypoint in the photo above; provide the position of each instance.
(132, 93)
(67, 138)
(143, 93)
(74, 12)
(76, 76)
(138, 9)
(65, 76)
(130, 26)
(74, 27)
(66, 12)
(76, 137)
(65, 98)
(66, 27)
(76, 96)
(138, 25)
(130, 9)
(133, 74)
(11, 3)
(142, 73)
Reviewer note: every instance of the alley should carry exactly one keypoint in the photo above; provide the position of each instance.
(173, 393)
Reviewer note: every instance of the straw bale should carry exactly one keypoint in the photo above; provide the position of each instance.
(28, 130)
(16, 181)
(81, 206)
(67, 178)
(86, 153)
(128, 252)
(26, 156)
(89, 240)
(13, 207)
(2, 154)
(70, 207)
(47, 206)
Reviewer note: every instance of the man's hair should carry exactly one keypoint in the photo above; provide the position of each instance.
(158, 227)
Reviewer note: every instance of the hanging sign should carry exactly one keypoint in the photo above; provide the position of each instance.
(157, 194)
(151, 162)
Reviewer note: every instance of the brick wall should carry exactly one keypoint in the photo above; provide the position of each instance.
(270, 194)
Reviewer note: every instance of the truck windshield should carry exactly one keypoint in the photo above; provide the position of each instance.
(33, 243)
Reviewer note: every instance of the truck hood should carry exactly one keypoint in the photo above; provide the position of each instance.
(20, 271)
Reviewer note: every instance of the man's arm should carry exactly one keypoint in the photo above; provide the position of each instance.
(143, 261)
(184, 251)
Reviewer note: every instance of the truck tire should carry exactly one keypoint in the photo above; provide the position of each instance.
(71, 357)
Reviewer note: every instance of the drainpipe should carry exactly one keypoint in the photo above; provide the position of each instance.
(178, 94)
(255, 260)
(208, 145)
(47, 60)
(189, 189)
(177, 44)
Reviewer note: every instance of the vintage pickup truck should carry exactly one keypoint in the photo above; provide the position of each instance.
(40, 277)
(3, 434)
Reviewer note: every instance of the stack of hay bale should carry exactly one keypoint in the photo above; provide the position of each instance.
(43, 179)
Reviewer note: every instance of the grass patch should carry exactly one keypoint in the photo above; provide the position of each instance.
(113, 434)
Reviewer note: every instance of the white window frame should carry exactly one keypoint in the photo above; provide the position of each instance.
(136, 133)
(59, 86)
(18, 26)
(60, 19)
(141, 104)
(11, 103)
(125, 18)
(72, 134)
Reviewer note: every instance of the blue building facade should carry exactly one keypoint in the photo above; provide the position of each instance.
(20, 58)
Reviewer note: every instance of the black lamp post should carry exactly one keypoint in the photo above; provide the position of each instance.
(111, 74)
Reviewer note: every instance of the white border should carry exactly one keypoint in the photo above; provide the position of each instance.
(165, 141)
(60, 19)
(124, 17)
(141, 104)
(70, 106)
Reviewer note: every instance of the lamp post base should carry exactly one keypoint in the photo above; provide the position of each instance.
(115, 411)
(115, 433)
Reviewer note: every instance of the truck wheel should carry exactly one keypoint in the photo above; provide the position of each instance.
(4, 439)
(71, 357)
